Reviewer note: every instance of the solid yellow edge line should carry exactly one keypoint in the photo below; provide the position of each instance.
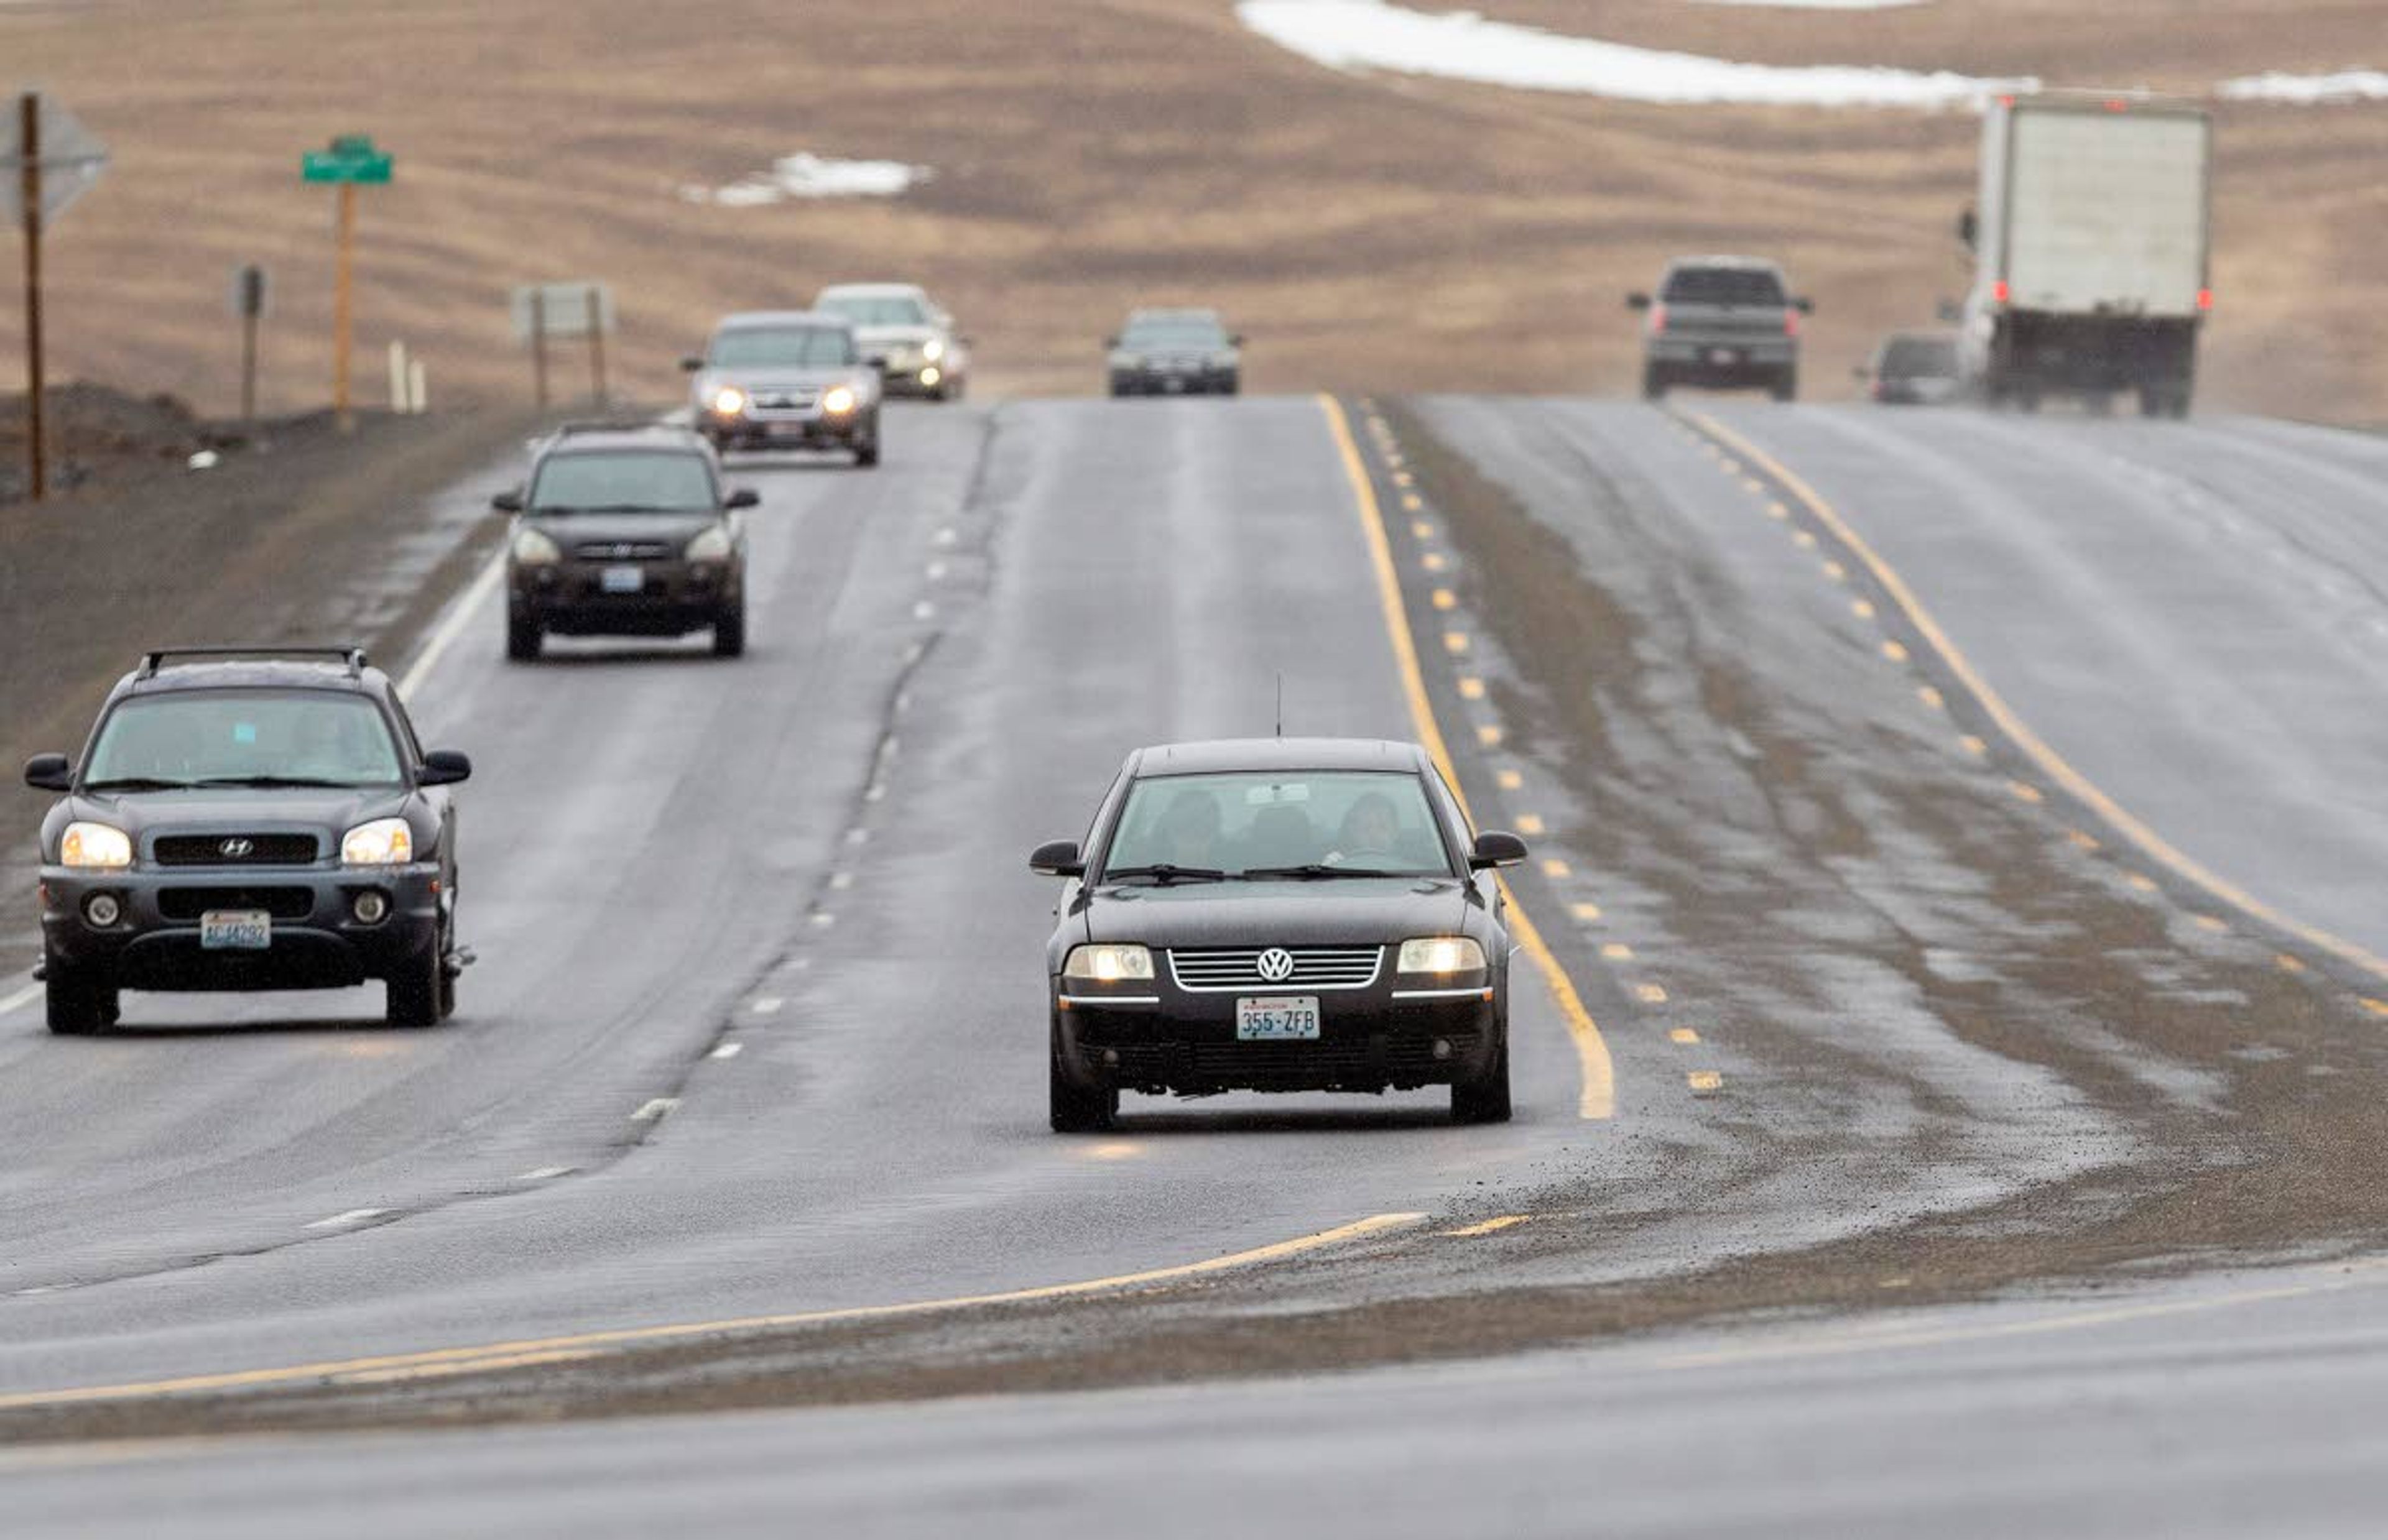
(504, 1354)
(1599, 1096)
(2056, 766)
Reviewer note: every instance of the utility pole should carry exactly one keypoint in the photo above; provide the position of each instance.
(55, 159)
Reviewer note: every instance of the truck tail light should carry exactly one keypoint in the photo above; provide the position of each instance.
(1658, 316)
(2205, 300)
(1998, 291)
(1790, 323)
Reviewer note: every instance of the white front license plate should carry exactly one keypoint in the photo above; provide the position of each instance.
(623, 580)
(235, 931)
(1278, 1019)
(1725, 355)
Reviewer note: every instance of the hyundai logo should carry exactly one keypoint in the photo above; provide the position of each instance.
(1275, 965)
(234, 850)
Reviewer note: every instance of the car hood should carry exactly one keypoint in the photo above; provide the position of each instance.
(1346, 911)
(570, 530)
(883, 336)
(231, 810)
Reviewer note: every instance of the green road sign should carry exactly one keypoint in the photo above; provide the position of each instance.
(352, 159)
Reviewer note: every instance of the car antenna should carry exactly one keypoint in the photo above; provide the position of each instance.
(1280, 702)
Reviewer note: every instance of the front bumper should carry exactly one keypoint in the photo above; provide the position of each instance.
(791, 430)
(1372, 1040)
(316, 941)
(1722, 358)
(1172, 382)
(673, 598)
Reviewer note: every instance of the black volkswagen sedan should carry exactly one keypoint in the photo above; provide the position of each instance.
(1278, 915)
(248, 818)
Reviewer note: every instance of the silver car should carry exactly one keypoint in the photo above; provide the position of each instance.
(911, 337)
(785, 379)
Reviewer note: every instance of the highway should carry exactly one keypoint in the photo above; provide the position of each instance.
(1951, 831)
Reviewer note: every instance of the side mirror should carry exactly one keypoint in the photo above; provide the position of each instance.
(1496, 848)
(965, 342)
(1804, 305)
(1950, 311)
(444, 767)
(507, 502)
(691, 364)
(1969, 229)
(742, 497)
(1111, 341)
(1637, 301)
(1058, 858)
(1235, 339)
(50, 773)
(1861, 372)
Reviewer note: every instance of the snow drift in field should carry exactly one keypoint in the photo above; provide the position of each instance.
(1462, 45)
(814, 176)
(2352, 85)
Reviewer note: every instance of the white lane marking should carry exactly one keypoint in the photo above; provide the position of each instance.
(460, 614)
(858, 837)
(23, 997)
(353, 1217)
(946, 537)
(841, 880)
(654, 1109)
(727, 1051)
(923, 611)
(937, 571)
(767, 1005)
(824, 920)
(547, 1173)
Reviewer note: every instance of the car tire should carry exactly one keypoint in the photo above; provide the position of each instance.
(414, 989)
(730, 631)
(1076, 1109)
(1232, 385)
(1786, 385)
(866, 451)
(448, 968)
(1486, 1098)
(523, 638)
(78, 1005)
(1654, 383)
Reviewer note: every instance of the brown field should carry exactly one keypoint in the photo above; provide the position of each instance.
(1369, 233)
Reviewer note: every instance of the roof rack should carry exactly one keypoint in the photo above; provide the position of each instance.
(565, 430)
(353, 657)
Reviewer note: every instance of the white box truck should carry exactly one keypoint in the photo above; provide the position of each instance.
(2090, 251)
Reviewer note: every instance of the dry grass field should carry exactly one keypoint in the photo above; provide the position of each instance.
(1367, 232)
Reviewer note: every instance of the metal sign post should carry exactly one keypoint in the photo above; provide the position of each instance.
(575, 309)
(351, 162)
(54, 159)
(249, 304)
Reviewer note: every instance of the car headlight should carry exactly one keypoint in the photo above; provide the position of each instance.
(1107, 963)
(933, 349)
(99, 845)
(382, 843)
(713, 544)
(839, 401)
(729, 401)
(533, 548)
(1440, 954)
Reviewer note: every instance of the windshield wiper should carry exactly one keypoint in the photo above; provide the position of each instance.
(1312, 871)
(273, 782)
(1165, 872)
(136, 783)
(615, 508)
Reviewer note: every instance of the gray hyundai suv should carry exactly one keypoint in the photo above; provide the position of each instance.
(1724, 322)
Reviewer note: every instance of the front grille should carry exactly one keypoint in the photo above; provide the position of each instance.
(1238, 967)
(785, 400)
(189, 903)
(236, 850)
(624, 551)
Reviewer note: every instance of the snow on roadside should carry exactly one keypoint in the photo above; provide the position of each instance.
(813, 176)
(2350, 85)
(1462, 45)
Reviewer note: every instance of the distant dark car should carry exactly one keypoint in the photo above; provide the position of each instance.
(1913, 369)
(1179, 352)
(1278, 915)
(625, 531)
(249, 819)
(786, 380)
(1726, 322)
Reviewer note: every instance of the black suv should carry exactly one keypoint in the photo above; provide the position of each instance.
(250, 818)
(625, 531)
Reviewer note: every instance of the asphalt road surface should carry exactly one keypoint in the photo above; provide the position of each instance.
(1955, 825)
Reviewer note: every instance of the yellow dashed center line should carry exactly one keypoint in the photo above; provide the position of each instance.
(1587, 914)
(1705, 1080)
(1529, 823)
(2140, 880)
(1490, 1226)
(1432, 560)
(1683, 1035)
(1834, 571)
(2026, 792)
(1554, 869)
(1804, 541)
(1617, 951)
(2377, 1007)
(1445, 600)
(1894, 652)
(2082, 837)
(1470, 688)
(2213, 922)
(1412, 502)
(1489, 736)
(2288, 963)
(1422, 528)
(1650, 995)
(1508, 780)
(1776, 510)
(1974, 746)
(1454, 641)
(1932, 697)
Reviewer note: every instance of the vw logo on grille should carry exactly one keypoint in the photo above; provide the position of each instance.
(235, 849)
(1275, 965)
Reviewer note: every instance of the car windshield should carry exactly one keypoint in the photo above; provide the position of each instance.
(1723, 286)
(1315, 823)
(227, 736)
(1924, 357)
(783, 348)
(1174, 333)
(664, 480)
(876, 309)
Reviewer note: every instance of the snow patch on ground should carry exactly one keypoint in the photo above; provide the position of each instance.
(1462, 45)
(813, 176)
(2350, 85)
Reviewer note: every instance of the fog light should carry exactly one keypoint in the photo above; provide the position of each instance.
(370, 908)
(931, 375)
(102, 910)
(1111, 1058)
(1442, 1048)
